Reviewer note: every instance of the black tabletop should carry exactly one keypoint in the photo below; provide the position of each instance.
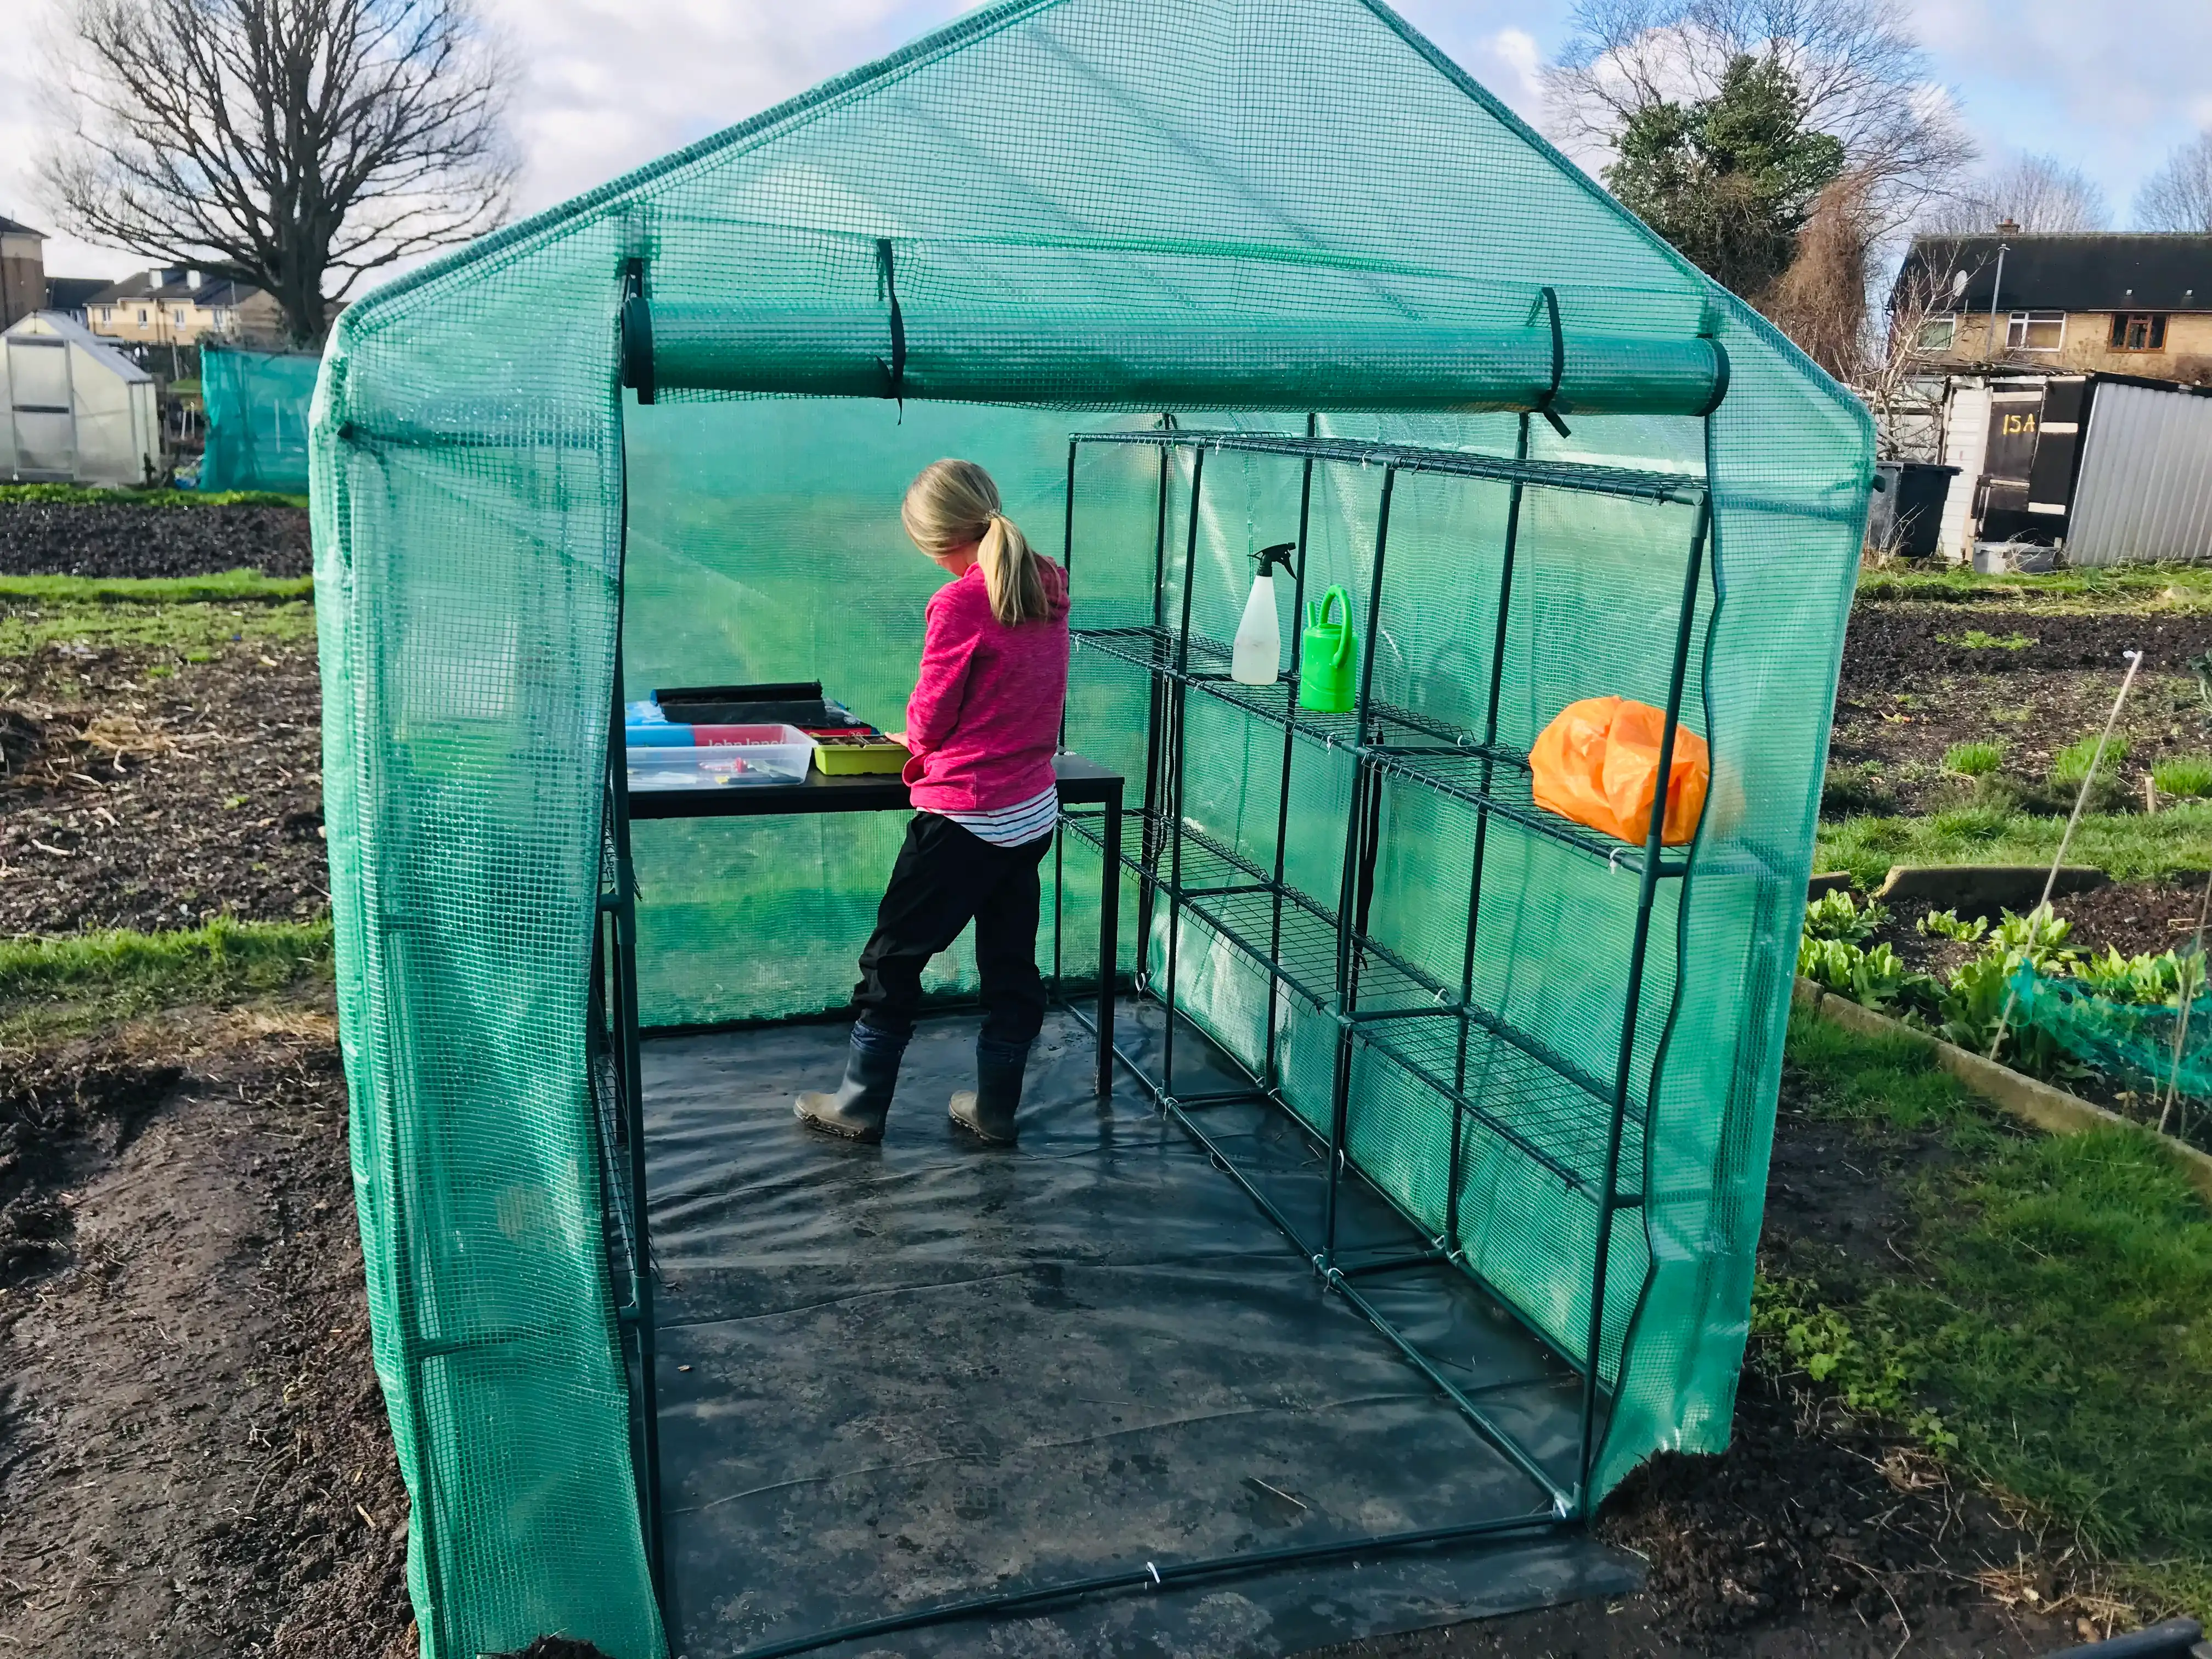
(1080, 781)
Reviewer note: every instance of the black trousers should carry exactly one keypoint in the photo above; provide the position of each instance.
(946, 878)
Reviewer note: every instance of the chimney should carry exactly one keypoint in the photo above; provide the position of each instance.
(2008, 227)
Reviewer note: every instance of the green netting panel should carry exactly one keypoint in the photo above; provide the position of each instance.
(1053, 190)
(257, 419)
(2146, 1042)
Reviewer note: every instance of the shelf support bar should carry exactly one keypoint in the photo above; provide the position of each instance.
(1609, 1199)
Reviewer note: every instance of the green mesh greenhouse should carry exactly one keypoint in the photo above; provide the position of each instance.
(1423, 1206)
(256, 406)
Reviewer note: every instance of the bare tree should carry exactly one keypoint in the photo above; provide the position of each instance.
(2178, 196)
(1820, 300)
(2039, 193)
(1861, 74)
(293, 144)
(1902, 374)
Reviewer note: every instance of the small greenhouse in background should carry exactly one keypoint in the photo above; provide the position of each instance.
(76, 410)
(1193, 281)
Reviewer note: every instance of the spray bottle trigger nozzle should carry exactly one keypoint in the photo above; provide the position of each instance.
(1275, 557)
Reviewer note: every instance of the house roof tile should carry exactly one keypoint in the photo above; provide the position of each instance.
(2099, 272)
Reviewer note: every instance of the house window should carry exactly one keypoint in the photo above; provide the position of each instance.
(107, 314)
(2036, 330)
(1937, 333)
(2138, 331)
(180, 319)
(141, 313)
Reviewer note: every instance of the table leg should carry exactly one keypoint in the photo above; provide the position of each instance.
(1109, 940)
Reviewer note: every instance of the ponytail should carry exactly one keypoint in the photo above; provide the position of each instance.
(1011, 574)
(956, 504)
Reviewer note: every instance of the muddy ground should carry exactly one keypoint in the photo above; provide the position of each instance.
(1911, 687)
(41, 539)
(135, 798)
(194, 1459)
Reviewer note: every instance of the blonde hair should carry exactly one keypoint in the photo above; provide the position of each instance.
(954, 503)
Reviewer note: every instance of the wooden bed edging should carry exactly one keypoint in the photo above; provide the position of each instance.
(2047, 1107)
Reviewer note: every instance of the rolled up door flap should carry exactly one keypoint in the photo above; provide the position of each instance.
(1181, 361)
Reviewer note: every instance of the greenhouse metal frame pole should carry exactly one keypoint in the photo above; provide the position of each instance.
(1609, 1199)
(1270, 1070)
(1482, 828)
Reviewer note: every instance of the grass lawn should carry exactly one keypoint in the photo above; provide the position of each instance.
(241, 584)
(84, 496)
(65, 983)
(2052, 1335)
(2106, 588)
(2126, 846)
(194, 627)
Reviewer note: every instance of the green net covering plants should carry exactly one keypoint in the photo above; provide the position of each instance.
(2155, 1036)
(257, 406)
(1292, 225)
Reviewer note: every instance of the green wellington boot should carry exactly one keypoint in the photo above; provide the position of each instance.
(857, 1110)
(987, 1111)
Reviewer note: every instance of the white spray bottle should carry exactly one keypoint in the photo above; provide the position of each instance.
(1256, 658)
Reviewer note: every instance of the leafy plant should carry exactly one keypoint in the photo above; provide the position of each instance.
(1970, 1006)
(2185, 777)
(2070, 765)
(2146, 979)
(1800, 1333)
(1974, 759)
(1875, 978)
(1945, 924)
(1836, 915)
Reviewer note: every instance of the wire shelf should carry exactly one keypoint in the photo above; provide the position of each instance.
(1434, 754)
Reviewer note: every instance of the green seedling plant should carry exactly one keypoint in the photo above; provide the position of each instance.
(2185, 777)
(1945, 924)
(1974, 759)
(1975, 639)
(1837, 915)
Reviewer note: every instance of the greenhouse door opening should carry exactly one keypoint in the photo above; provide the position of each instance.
(899, 1377)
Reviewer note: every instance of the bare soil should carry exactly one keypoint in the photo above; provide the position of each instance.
(1910, 688)
(128, 800)
(97, 539)
(194, 1459)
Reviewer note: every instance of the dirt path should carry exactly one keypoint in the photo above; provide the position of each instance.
(194, 1459)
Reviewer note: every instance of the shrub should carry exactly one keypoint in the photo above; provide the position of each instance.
(2185, 777)
(1974, 759)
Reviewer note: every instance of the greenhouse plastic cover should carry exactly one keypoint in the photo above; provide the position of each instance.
(1050, 167)
(257, 406)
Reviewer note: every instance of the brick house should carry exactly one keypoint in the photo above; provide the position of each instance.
(2134, 304)
(171, 305)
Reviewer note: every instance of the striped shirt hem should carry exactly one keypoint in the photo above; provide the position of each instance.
(1012, 826)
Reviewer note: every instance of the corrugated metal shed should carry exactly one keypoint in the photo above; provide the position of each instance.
(2145, 488)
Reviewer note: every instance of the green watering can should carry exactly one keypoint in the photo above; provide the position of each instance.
(1328, 660)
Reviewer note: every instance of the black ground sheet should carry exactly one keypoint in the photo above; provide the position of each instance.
(892, 1378)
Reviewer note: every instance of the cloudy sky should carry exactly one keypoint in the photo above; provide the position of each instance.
(2110, 88)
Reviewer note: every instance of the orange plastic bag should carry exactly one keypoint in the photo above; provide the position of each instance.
(1596, 763)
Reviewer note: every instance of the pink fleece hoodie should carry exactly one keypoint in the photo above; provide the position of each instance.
(984, 718)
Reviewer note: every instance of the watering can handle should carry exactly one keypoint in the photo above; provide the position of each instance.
(1339, 596)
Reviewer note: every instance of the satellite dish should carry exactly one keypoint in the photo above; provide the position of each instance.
(1958, 284)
